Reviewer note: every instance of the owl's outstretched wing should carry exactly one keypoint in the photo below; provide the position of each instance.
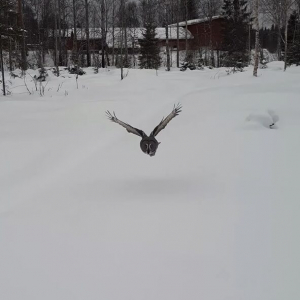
(163, 123)
(129, 128)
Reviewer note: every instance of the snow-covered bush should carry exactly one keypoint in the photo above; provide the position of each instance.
(200, 64)
(187, 65)
(42, 75)
(76, 70)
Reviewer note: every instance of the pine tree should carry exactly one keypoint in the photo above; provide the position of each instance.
(8, 19)
(9, 32)
(236, 24)
(293, 54)
(191, 9)
(149, 49)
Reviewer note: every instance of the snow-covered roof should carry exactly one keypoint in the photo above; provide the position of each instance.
(133, 34)
(196, 21)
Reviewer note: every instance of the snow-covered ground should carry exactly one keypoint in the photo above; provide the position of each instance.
(215, 215)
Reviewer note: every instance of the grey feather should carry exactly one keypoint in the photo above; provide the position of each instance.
(128, 127)
(164, 122)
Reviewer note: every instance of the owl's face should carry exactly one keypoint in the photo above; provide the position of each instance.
(149, 146)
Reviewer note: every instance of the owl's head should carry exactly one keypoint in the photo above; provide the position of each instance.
(149, 145)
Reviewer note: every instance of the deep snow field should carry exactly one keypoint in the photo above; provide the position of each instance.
(215, 215)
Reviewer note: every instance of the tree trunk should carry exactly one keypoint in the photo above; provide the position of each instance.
(122, 29)
(21, 24)
(249, 44)
(167, 34)
(186, 41)
(56, 43)
(42, 37)
(177, 27)
(126, 46)
(40, 48)
(103, 34)
(60, 60)
(65, 32)
(279, 41)
(75, 34)
(133, 49)
(113, 34)
(94, 40)
(10, 56)
(167, 47)
(2, 67)
(212, 55)
(285, 41)
(288, 4)
(256, 6)
(87, 30)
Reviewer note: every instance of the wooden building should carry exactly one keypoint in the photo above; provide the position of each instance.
(114, 37)
(207, 32)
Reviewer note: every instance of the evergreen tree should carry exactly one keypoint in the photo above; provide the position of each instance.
(188, 7)
(131, 15)
(8, 19)
(273, 39)
(236, 32)
(31, 25)
(149, 49)
(293, 54)
(10, 32)
(268, 38)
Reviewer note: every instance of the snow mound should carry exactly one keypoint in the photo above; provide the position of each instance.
(266, 119)
(276, 65)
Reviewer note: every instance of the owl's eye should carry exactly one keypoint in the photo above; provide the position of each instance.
(145, 147)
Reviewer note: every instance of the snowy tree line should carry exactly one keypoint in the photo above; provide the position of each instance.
(41, 18)
(40, 27)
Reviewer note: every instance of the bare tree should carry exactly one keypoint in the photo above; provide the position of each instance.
(256, 23)
(165, 7)
(23, 44)
(36, 7)
(186, 39)
(7, 31)
(59, 32)
(56, 60)
(122, 10)
(87, 30)
(177, 32)
(278, 12)
(2, 66)
(272, 9)
(113, 30)
(75, 58)
(167, 46)
(66, 13)
(103, 33)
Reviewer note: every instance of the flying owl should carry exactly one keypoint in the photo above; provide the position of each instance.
(148, 144)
